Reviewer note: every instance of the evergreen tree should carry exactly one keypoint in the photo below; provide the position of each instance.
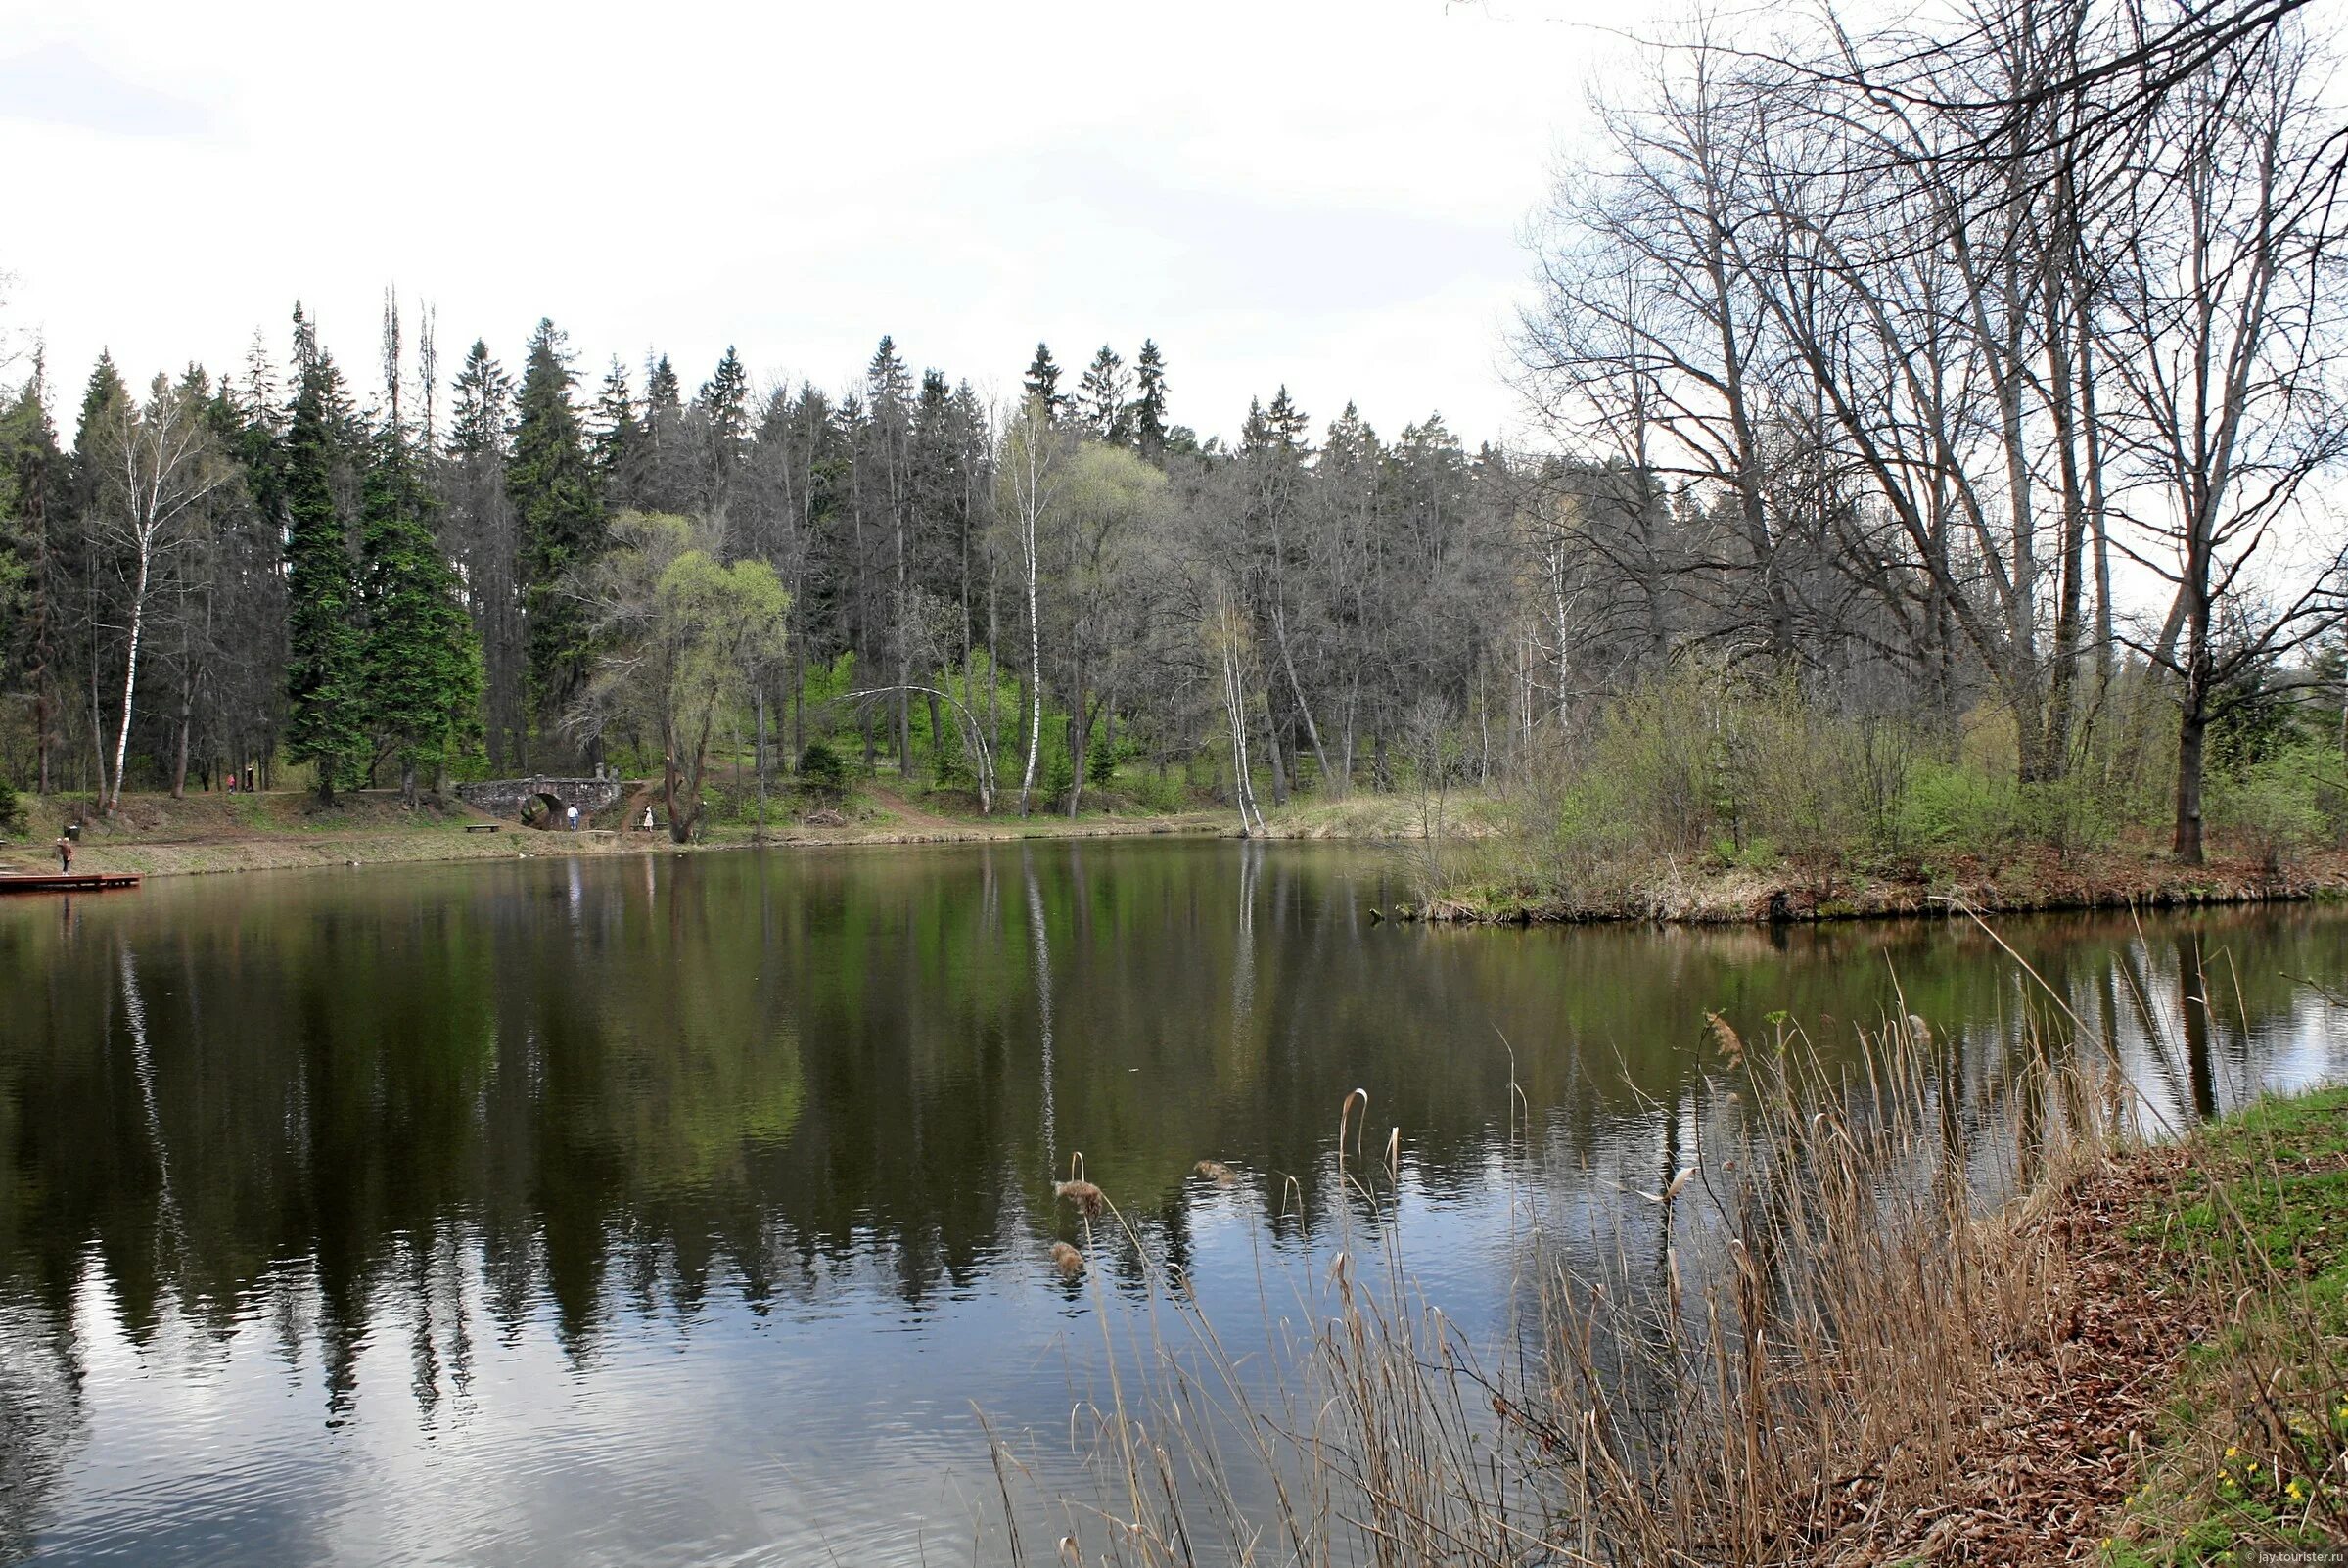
(558, 521)
(1043, 381)
(1278, 429)
(1148, 411)
(888, 379)
(664, 394)
(612, 451)
(477, 425)
(324, 679)
(421, 661)
(1101, 398)
(31, 465)
(105, 391)
(671, 472)
(479, 520)
(724, 400)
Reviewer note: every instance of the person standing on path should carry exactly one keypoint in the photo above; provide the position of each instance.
(64, 855)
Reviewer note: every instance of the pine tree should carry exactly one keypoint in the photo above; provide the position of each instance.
(1043, 381)
(419, 657)
(1101, 398)
(558, 521)
(1149, 407)
(324, 680)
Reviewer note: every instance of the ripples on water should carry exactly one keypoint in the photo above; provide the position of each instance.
(682, 1210)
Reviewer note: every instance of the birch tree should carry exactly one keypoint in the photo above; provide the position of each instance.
(160, 464)
(1032, 471)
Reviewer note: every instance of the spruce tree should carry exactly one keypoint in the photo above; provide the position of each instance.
(724, 400)
(559, 522)
(1043, 381)
(325, 691)
(1149, 407)
(1101, 398)
(421, 661)
(613, 446)
(30, 624)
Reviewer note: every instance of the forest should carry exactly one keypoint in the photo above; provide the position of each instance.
(1937, 432)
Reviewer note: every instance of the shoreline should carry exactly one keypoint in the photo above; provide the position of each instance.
(201, 836)
(2108, 882)
(2185, 1393)
(155, 836)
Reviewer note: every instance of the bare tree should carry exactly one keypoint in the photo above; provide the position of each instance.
(2225, 331)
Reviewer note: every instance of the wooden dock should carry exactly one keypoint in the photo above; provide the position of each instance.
(66, 881)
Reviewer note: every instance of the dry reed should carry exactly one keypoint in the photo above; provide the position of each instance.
(1827, 1349)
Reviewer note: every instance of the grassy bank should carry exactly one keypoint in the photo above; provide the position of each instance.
(1816, 1346)
(1476, 882)
(158, 836)
(2250, 1445)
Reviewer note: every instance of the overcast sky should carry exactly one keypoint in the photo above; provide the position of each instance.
(1326, 195)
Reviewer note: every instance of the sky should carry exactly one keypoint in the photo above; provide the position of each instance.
(1327, 196)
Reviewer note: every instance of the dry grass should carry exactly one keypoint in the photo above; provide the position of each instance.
(1878, 1334)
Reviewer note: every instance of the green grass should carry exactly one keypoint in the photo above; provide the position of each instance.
(2254, 1443)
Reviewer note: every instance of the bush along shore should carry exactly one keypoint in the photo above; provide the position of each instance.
(1710, 796)
(1868, 1324)
(2028, 880)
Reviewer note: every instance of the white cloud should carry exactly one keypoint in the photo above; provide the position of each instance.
(1318, 193)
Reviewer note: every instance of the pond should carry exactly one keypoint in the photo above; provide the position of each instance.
(692, 1208)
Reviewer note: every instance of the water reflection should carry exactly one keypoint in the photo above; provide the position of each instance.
(577, 1211)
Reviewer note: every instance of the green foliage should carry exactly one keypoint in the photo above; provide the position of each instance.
(2258, 1424)
(2289, 799)
(1059, 772)
(12, 812)
(1950, 807)
(559, 522)
(1162, 794)
(822, 772)
(421, 661)
(1100, 766)
(324, 670)
(686, 631)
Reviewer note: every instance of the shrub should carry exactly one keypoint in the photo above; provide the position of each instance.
(2274, 806)
(1152, 791)
(1100, 766)
(1950, 807)
(822, 772)
(12, 812)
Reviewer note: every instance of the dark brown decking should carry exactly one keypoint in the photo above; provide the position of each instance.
(68, 881)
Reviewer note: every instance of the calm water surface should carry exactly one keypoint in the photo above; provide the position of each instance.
(682, 1208)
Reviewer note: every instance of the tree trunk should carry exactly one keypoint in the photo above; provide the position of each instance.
(2193, 730)
(130, 677)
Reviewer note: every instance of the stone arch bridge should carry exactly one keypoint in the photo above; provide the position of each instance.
(541, 799)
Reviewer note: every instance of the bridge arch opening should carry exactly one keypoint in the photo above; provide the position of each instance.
(542, 810)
